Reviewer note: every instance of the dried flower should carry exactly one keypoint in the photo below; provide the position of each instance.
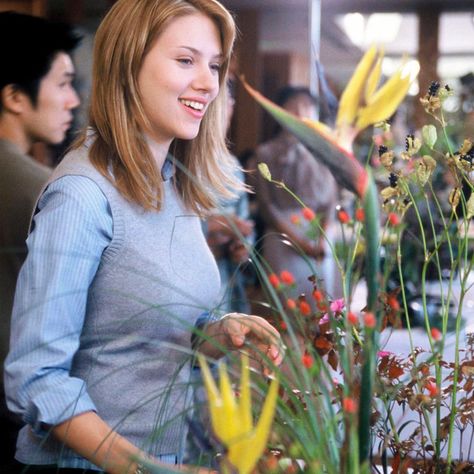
(393, 179)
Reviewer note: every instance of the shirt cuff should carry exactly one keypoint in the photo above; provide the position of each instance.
(52, 407)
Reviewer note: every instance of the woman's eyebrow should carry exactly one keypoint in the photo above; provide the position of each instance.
(199, 53)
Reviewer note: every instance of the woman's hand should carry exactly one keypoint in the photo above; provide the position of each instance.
(243, 331)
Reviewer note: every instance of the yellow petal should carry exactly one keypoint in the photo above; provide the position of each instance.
(374, 79)
(245, 454)
(350, 99)
(384, 102)
(320, 127)
(214, 399)
(229, 406)
(245, 402)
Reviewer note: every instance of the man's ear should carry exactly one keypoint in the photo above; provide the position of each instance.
(13, 99)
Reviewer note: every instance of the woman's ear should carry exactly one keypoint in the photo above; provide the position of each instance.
(14, 100)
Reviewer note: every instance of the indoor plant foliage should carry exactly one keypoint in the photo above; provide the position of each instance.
(338, 389)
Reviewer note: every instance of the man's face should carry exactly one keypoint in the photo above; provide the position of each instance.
(50, 119)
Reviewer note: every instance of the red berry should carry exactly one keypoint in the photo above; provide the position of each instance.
(287, 278)
(369, 320)
(308, 214)
(352, 318)
(274, 280)
(283, 326)
(393, 219)
(360, 214)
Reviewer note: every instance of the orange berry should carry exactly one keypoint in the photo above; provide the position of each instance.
(305, 308)
(290, 303)
(436, 334)
(274, 280)
(369, 320)
(393, 219)
(287, 277)
(343, 216)
(308, 214)
(318, 295)
(352, 318)
(360, 214)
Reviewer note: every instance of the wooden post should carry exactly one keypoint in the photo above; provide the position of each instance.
(245, 131)
(428, 54)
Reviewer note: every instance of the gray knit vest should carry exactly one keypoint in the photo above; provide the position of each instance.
(154, 280)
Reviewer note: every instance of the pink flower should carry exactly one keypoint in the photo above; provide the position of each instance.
(337, 306)
(324, 319)
(383, 354)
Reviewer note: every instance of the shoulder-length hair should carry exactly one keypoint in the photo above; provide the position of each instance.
(118, 119)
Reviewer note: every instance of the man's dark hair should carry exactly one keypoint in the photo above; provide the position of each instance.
(28, 47)
(286, 93)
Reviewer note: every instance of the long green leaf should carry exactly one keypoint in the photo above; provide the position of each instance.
(345, 168)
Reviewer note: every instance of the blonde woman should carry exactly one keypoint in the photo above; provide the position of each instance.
(118, 271)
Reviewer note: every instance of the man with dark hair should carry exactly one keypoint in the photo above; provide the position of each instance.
(36, 100)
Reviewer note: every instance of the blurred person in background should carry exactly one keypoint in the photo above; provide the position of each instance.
(285, 228)
(36, 103)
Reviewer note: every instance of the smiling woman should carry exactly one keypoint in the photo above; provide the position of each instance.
(118, 274)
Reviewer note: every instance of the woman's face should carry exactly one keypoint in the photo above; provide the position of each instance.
(179, 77)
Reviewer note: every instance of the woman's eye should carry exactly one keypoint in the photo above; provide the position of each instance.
(186, 61)
(216, 67)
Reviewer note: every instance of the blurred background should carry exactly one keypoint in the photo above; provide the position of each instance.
(281, 40)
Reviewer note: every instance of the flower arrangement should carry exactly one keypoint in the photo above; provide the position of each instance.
(340, 391)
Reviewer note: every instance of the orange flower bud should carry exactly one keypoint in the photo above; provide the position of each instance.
(352, 318)
(290, 303)
(436, 334)
(343, 216)
(295, 219)
(393, 219)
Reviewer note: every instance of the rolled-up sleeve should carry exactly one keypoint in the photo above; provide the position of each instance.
(70, 232)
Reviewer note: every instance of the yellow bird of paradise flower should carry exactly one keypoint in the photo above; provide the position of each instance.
(231, 417)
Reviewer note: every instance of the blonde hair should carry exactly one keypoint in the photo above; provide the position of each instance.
(117, 115)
